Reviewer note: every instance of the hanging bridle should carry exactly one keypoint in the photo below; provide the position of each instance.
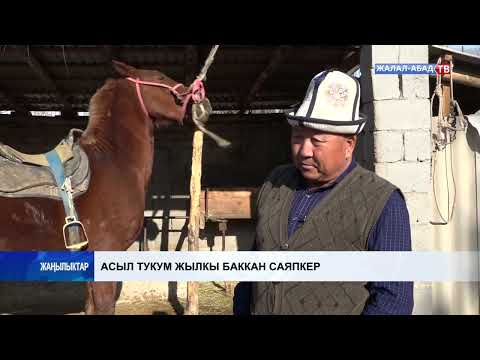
(195, 92)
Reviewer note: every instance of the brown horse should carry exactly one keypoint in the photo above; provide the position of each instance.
(119, 142)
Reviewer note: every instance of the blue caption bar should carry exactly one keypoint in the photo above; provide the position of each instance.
(405, 69)
(47, 266)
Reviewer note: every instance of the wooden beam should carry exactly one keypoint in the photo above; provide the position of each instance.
(464, 79)
(43, 75)
(276, 59)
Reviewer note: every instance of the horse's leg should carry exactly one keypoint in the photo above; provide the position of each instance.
(101, 298)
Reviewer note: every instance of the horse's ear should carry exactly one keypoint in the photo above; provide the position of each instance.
(124, 69)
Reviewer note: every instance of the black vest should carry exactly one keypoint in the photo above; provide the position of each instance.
(342, 221)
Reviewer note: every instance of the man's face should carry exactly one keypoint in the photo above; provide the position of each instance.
(320, 157)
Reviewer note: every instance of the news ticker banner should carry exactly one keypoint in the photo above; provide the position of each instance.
(240, 266)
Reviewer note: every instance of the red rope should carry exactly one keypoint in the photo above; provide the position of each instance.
(196, 93)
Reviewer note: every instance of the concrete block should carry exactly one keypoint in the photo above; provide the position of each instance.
(402, 114)
(379, 87)
(409, 177)
(382, 87)
(418, 145)
(419, 207)
(388, 146)
(386, 87)
(388, 54)
(413, 54)
(415, 87)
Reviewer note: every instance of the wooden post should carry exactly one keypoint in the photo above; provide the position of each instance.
(446, 102)
(446, 99)
(194, 219)
(446, 92)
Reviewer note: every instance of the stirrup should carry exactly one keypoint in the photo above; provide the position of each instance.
(70, 221)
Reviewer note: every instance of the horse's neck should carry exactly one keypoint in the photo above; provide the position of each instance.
(121, 135)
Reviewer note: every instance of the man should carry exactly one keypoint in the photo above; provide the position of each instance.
(325, 201)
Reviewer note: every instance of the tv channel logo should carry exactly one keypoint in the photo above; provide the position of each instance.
(412, 69)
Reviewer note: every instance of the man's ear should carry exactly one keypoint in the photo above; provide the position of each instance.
(124, 69)
(352, 142)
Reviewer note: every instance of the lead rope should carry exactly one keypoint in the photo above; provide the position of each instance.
(202, 108)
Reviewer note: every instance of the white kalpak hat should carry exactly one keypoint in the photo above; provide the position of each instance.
(331, 104)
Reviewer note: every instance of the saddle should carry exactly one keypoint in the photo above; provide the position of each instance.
(61, 174)
(26, 175)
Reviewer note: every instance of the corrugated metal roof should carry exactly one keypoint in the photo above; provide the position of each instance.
(462, 57)
(78, 71)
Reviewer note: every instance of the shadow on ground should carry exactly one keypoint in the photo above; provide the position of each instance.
(41, 298)
(69, 298)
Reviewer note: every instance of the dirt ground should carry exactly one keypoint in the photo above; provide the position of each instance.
(213, 300)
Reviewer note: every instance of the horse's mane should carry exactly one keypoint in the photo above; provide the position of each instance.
(101, 103)
(100, 110)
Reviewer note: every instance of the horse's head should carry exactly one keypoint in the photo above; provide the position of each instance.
(157, 93)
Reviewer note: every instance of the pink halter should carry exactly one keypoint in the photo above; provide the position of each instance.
(196, 92)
